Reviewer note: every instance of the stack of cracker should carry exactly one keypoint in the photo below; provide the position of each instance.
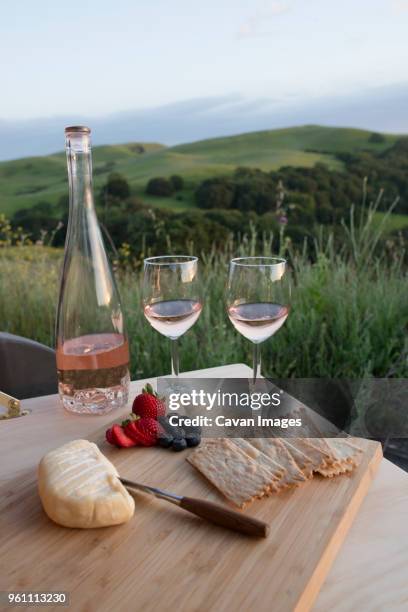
(245, 469)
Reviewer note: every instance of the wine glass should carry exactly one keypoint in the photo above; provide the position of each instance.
(258, 294)
(172, 299)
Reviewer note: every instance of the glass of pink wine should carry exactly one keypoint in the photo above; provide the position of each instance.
(258, 295)
(172, 299)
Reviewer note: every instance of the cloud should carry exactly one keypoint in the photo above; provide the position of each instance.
(253, 26)
(376, 109)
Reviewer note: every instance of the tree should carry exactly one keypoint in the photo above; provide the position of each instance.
(215, 193)
(160, 186)
(63, 203)
(177, 181)
(376, 138)
(301, 209)
(36, 220)
(116, 188)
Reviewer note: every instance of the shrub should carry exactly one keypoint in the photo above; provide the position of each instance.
(37, 220)
(116, 188)
(160, 186)
(215, 193)
(177, 181)
(375, 138)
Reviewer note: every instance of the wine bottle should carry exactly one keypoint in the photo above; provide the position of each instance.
(91, 342)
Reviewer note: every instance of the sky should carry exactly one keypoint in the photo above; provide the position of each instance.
(98, 57)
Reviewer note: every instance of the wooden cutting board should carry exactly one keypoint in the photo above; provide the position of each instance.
(167, 559)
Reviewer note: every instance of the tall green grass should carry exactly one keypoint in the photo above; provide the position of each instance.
(349, 313)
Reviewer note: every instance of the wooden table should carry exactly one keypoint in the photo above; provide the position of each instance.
(370, 572)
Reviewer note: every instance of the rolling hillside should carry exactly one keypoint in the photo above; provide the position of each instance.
(25, 182)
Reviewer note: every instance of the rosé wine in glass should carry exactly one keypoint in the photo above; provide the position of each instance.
(257, 322)
(172, 318)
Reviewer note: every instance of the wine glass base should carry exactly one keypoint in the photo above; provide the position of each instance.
(174, 384)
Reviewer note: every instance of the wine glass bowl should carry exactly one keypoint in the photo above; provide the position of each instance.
(258, 295)
(172, 300)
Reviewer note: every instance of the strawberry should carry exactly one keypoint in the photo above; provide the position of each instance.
(131, 431)
(109, 436)
(148, 404)
(149, 428)
(143, 431)
(115, 435)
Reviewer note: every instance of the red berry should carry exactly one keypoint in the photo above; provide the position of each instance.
(143, 431)
(132, 432)
(149, 427)
(119, 437)
(148, 405)
(109, 437)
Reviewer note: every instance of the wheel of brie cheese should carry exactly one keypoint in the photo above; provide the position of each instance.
(79, 487)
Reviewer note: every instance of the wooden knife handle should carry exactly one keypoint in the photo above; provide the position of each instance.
(220, 515)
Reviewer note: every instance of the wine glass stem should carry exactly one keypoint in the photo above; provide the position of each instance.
(174, 358)
(257, 362)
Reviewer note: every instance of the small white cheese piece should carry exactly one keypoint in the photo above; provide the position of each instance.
(79, 487)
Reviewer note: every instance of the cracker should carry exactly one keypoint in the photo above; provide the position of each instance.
(346, 454)
(333, 465)
(321, 444)
(274, 449)
(276, 471)
(344, 450)
(336, 470)
(303, 461)
(318, 455)
(236, 475)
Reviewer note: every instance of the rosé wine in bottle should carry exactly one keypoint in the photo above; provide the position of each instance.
(91, 343)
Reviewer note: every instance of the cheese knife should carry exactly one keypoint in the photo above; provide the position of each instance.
(215, 513)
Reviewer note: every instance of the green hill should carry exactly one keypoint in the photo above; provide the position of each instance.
(25, 182)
